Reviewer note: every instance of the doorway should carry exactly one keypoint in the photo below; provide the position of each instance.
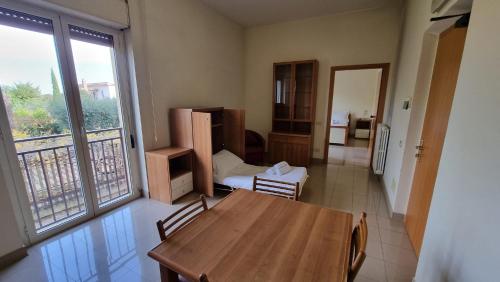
(64, 118)
(355, 107)
(443, 83)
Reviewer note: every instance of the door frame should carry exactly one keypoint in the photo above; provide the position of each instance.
(20, 200)
(384, 80)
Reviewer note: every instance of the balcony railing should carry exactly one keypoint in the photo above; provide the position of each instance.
(50, 170)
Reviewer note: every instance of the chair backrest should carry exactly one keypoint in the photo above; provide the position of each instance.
(253, 138)
(277, 188)
(180, 218)
(358, 247)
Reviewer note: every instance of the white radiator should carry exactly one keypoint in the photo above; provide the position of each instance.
(380, 149)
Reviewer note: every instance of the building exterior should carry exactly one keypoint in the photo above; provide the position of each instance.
(99, 90)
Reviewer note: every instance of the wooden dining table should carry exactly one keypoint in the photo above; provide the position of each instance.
(250, 236)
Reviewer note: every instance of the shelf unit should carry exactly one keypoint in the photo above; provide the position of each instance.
(294, 107)
(170, 173)
(207, 131)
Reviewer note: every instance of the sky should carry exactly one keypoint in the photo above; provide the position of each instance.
(28, 56)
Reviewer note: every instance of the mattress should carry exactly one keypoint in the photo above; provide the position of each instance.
(242, 176)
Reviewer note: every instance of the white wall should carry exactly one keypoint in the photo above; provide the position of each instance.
(343, 39)
(461, 242)
(184, 55)
(355, 91)
(416, 23)
(416, 121)
(414, 72)
(187, 55)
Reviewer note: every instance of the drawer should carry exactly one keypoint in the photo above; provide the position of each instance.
(182, 179)
(362, 133)
(337, 135)
(182, 190)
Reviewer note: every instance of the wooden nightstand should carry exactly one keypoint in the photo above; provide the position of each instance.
(170, 173)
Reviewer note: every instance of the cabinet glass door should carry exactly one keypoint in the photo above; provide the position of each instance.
(282, 91)
(303, 92)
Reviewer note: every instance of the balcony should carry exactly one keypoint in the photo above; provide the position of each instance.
(51, 173)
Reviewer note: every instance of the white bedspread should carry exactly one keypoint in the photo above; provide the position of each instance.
(242, 176)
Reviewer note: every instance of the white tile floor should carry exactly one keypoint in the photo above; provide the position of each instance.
(355, 152)
(113, 246)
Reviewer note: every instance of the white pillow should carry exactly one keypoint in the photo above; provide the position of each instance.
(224, 161)
(340, 118)
(282, 168)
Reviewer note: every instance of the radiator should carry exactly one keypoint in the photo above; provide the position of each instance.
(380, 149)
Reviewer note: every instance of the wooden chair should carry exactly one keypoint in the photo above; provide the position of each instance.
(278, 188)
(180, 218)
(358, 248)
(255, 148)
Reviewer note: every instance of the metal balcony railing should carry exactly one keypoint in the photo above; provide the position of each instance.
(50, 170)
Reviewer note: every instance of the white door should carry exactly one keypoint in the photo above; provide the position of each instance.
(64, 118)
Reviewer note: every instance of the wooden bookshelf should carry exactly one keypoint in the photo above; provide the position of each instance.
(294, 109)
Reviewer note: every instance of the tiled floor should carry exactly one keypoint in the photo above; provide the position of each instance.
(113, 247)
(390, 256)
(355, 152)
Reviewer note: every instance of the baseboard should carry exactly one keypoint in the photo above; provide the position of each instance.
(391, 212)
(13, 257)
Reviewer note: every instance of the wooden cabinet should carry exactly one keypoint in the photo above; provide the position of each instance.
(363, 127)
(294, 102)
(293, 148)
(170, 173)
(207, 131)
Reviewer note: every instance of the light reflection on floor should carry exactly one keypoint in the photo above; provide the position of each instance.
(112, 247)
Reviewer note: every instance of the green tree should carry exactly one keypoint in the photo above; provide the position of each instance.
(35, 123)
(97, 113)
(22, 93)
(57, 109)
(28, 110)
(55, 86)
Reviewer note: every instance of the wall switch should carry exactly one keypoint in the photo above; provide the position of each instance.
(406, 104)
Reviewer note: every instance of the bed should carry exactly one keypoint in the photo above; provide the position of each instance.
(339, 128)
(230, 171)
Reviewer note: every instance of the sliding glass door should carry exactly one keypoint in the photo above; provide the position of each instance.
(37, 112)
(64, 118)
(94, 59)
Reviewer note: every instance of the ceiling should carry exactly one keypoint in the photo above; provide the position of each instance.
(261, 12)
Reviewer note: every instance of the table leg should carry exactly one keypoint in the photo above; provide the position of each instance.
(168, 275)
